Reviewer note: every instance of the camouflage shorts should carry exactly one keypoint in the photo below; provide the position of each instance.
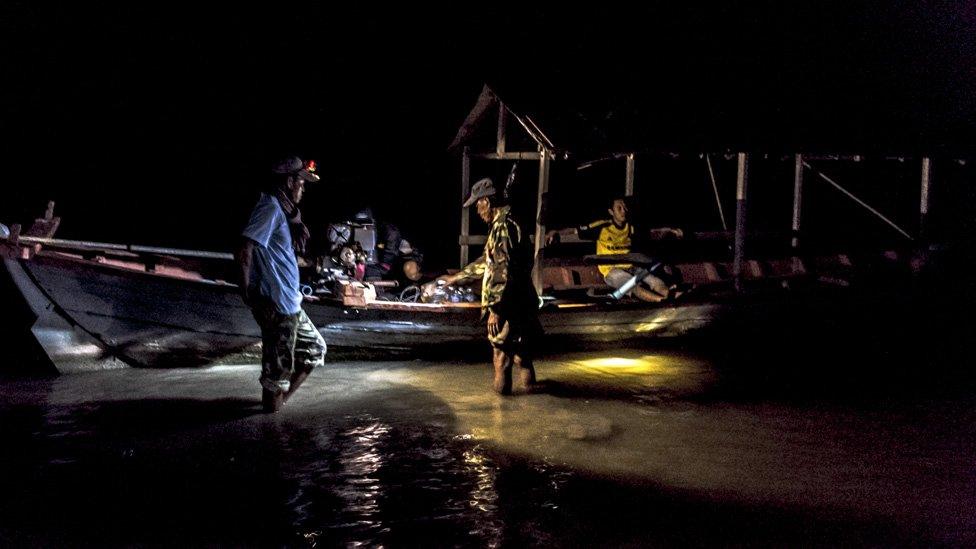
(288, 343)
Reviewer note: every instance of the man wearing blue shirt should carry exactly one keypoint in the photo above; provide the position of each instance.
(291, 345)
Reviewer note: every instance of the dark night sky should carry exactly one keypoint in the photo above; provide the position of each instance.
(157, 124)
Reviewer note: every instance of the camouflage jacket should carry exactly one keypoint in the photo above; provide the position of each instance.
(505, 269)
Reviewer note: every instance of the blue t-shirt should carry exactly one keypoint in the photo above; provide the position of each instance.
(274, 268)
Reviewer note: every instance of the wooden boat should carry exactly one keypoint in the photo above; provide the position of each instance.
(102, 305)
(104, 308)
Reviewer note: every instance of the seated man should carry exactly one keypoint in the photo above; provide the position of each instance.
(615, 236)
(374, 250)
(397, 259)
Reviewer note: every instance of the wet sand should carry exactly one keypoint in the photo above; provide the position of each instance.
(622, 448)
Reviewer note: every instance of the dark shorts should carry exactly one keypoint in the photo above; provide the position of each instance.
(518, 335)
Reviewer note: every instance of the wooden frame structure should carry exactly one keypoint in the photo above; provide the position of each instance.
(546, 152)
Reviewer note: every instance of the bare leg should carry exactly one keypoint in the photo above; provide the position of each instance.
(297, 379)
(503, 371)
(278, 333)
(272, 401)
(656, 285)
(646, 295)
(310, 352)
(526, 372)
(658, 291)
(526, 369)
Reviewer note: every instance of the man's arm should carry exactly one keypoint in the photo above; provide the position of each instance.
(500, 261)
(471, 271)
(554, 235)
(588, 231)
(665, 232)
(244, 256)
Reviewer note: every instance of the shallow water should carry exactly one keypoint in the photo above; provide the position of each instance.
(622, 448)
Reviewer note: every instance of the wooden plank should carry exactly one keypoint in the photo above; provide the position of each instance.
(500, 135)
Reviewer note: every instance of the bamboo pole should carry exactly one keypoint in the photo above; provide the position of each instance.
(860, 202)
(718, 198)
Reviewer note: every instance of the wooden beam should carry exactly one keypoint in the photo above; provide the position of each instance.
(844, 157)
(465, 212)
(506, 156)
(797, 198)
(500, 135)
(86, 245)
(629, 178)
(480, 239)
(475, 239)
(540, 226)
(923, 206)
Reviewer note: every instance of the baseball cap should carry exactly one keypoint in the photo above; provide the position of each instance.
(296, 166)
(484, 187)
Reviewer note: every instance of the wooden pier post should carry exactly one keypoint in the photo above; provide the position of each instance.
(465, 212)
(797, 199)
(500, 134)
(923, 207)
(540, 227)
(629, 181)
(741, 183)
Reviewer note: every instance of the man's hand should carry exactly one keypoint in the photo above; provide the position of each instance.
(246, 295)
(427, 290)
(446, 280)
(552, 236)
(494, 323)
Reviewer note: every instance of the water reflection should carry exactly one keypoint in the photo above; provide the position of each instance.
(402, 453)
(484, 498)
(360, 459)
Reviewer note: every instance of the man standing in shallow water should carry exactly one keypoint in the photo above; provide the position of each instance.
(507, 294)
(291, 345)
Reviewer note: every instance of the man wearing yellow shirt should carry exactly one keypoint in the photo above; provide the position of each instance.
(615, 236)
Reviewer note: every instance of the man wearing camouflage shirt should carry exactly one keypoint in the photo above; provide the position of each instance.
(507, 294)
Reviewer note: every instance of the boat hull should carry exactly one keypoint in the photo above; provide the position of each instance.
(95, 316)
